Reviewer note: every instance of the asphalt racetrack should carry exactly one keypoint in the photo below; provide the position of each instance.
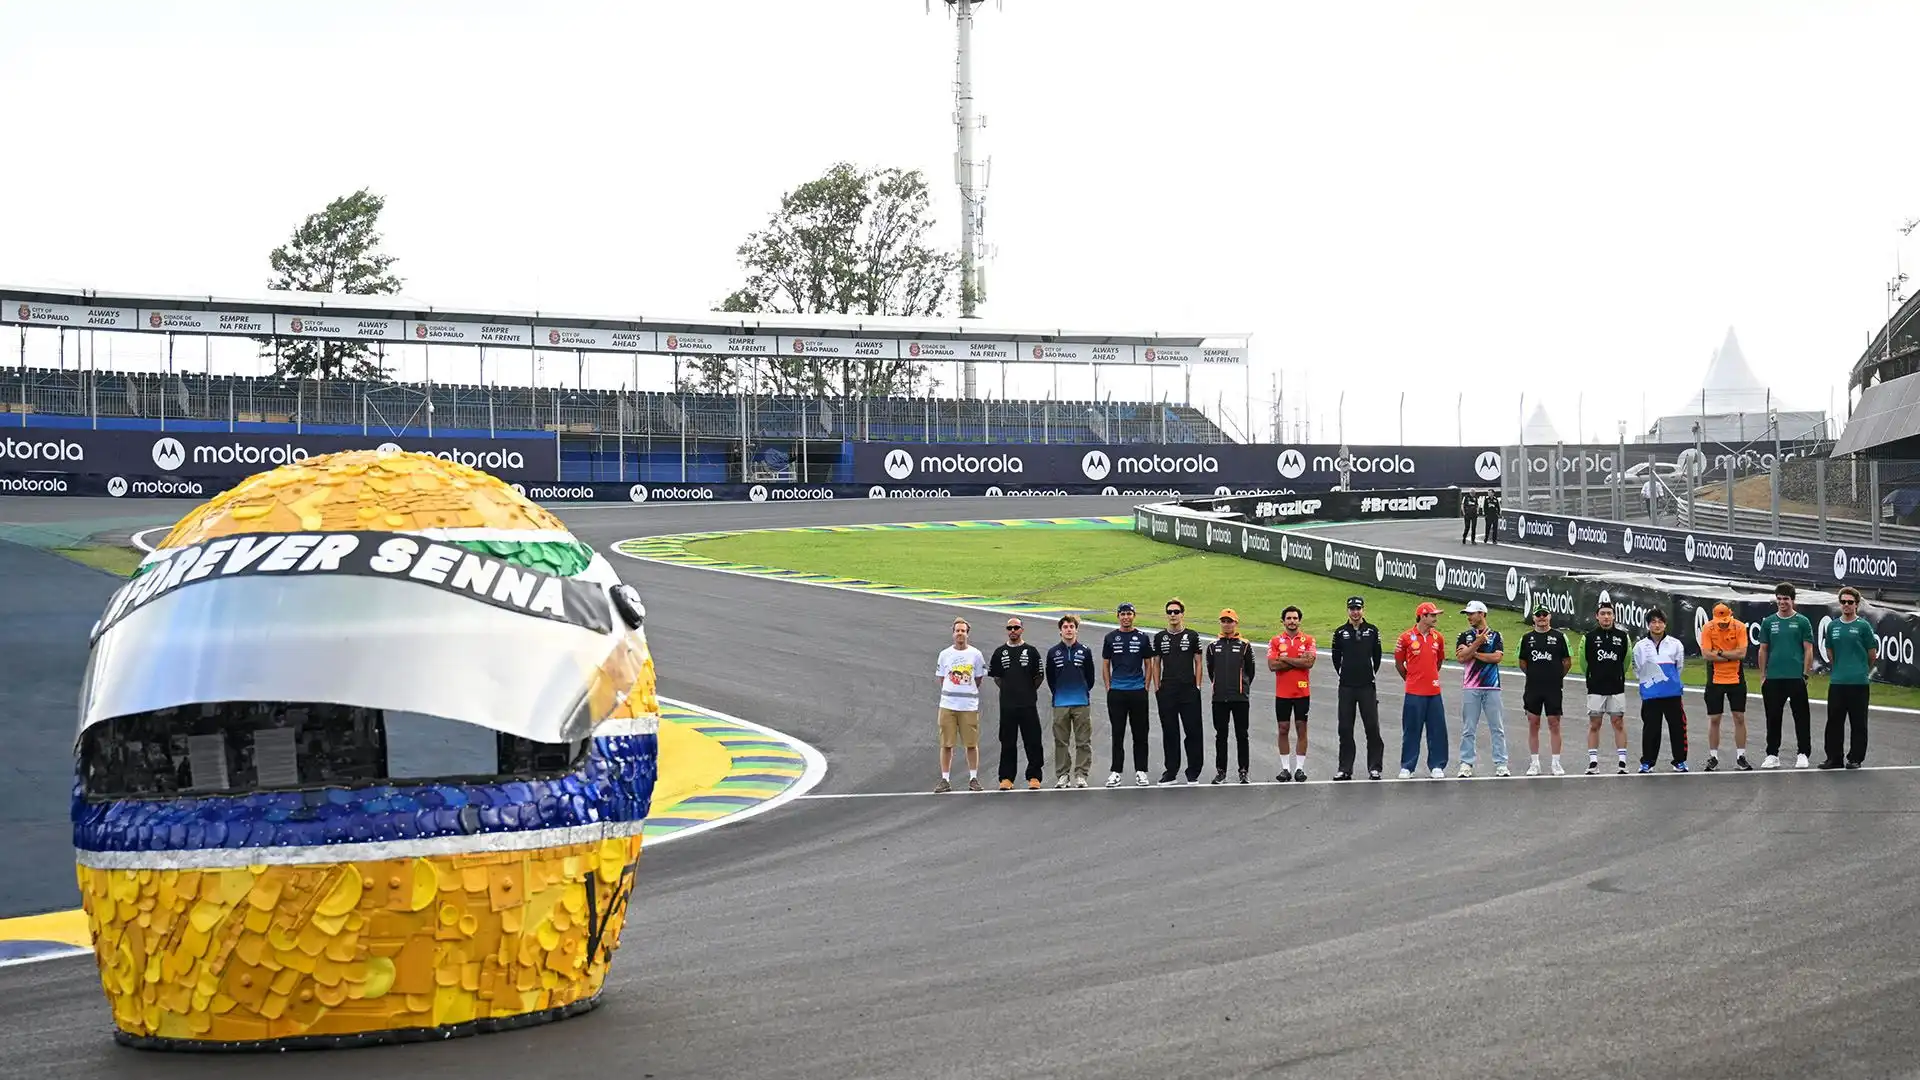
(1725, 925)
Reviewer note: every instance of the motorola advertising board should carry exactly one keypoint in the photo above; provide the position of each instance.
(1300, 467)
(1336, 506)
(213, 455)
(1602, 460)
(1748, 558)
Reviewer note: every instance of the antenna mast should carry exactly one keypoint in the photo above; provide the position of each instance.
(972, 177)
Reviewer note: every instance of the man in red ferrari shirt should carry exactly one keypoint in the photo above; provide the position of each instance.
(1417, 658)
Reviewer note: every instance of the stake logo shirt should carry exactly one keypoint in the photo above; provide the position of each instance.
(960, 671)
(1541, 653)
(1421, 653)
(1127, 651)
(1290, 682)
(1606, 658)
(1479, 674)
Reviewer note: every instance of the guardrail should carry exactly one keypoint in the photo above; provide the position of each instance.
(1704, 514)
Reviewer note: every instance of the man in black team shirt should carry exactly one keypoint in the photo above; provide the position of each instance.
(1490, 513)
(1017, 669)
(1176, 663)
(1230, 663)
(1123, 656)
(1356, 656)
(1605, 654)
(1543, 652)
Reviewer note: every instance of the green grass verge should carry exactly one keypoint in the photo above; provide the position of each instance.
(112, 558)
(1092, 571)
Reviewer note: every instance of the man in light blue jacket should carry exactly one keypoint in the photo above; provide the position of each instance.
(1657, 660)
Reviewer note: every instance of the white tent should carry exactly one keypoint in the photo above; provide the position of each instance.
(1539, 429)
(1732, 406)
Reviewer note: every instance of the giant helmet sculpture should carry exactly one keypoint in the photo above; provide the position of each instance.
(365, 748)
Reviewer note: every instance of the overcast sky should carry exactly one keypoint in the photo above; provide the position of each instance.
(1485, 198)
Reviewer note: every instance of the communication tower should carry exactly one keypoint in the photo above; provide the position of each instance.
(972, 178)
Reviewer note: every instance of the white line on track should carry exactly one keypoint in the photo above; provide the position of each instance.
(1358, 782)
(966, 606)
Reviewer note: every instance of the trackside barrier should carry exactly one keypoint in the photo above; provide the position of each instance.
(1571, 596)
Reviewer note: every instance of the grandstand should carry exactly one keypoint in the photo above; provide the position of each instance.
(603, 434)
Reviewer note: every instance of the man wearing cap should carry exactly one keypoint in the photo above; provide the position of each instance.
(1018, 670)
(1723, 644)
(1230, 665)
(1480, 650)
(1470, 515)
(1123, 660)
(1490, 514)
(1290, 656)
(1070, 676)
(1416, 656)
(1786, 659)
(1855, 648)
(1177, 670)
(1356, 659)
(1544, 654)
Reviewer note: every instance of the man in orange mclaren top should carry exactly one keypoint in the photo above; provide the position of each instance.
(1290, 656)
(1723, 643)
(1417, 658)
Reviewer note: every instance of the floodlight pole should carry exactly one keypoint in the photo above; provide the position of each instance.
(972, 198)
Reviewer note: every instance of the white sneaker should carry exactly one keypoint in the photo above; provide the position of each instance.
(1406, 774)
(1533, 769)
(1079, 781)
(1801, 762)
(1559, 769)
(1140, 779)
(1466, 772)
(1501, 770)
(1438, 774)
(1061, 782)
(1772, 762)
(1113, 779)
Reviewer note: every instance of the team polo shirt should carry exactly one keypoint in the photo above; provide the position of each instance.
(1018, 667)
(1606, 651)
(1850, 643)
(1291, 683)
(1729, 638)
(1127, 651)
(1176, 653)
(1070, 674)
(1420, 651)
(1542, 653)
(1785, 640)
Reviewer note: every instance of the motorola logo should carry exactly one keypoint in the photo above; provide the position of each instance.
(1379, 564)
(1440, 574)
(1513, 584)
(1760, 556)
(1487, 465)
(1626, 539)
(388, 448)
(1095, 466)
(637, 493)
(878, 492)
(519, 490)
(899, 465)
(994, 492)
(1690, 549)
(1109, 490)
(1291, 463)
(1223, 490)
(168, 454)
(117, 486)
(758, 493)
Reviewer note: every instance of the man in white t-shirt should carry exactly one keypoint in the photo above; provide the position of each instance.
(960, 670)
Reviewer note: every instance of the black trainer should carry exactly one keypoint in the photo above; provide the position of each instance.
(1374, 775)
(1220, 777)
(1343, 776)
(1713, 764)
(1283, 776)
(1243, 776)
(1742, 763)
(1169, 776)
(1853, 764)
(1299, 776)
(1832, 763)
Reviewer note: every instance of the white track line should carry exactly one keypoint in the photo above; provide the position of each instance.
(1360, 782)
(816, 771)
(965, 606)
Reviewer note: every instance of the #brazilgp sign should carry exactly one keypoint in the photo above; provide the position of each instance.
(233, 455)
(1283, 467)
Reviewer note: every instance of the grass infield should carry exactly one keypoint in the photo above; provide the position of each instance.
(1091, 571)
(121, 561)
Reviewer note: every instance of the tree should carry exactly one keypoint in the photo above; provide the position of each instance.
(333, 251)
(853, 242)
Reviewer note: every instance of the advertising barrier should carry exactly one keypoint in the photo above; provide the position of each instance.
(214, 455)
(1602, 460)
(150, 485)
(1336, 506)
(1301, 466)
(1750, 558)
(1572, 597)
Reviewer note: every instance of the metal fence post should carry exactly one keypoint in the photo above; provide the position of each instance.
(1873, 493)
(1820, 492)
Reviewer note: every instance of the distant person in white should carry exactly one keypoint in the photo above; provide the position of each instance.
(959, 670)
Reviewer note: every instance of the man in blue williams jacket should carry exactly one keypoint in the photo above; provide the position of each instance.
(1070, 678)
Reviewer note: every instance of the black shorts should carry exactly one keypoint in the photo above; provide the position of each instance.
(1286, 709)
(1723, 694)
(1540, 701)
